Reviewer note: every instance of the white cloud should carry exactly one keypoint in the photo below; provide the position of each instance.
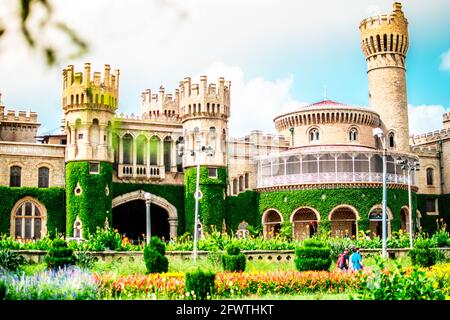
(373, 10)
(425, 118)
(254, 102)
(445, 63)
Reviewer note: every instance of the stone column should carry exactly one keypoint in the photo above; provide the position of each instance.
(173, 226)
(173, 156)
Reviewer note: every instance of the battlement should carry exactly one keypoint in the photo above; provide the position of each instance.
(80, 91)
(431, 136)
(385, 33)
(446, 120)
(159, 104)
(205, 100)
(20, 116)
(259, 139)
(425, 151)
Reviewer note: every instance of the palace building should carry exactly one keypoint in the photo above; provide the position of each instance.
(324, 169)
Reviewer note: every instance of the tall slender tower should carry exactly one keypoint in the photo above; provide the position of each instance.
(89, 106)
(204, 111)
(384, 41)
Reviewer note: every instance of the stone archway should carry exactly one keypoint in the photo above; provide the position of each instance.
(343, 220)
(172, 214)
(304, 222)
(375, 221)
(271, 221)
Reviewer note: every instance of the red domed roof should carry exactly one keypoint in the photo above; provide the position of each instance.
(326, 103)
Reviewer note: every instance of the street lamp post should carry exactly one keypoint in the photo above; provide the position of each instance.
(409, 166)
(377, 132)
(148, 197)
(198, 194)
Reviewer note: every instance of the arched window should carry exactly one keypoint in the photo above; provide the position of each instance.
(391, 141)
(353, 134)
(430, 174)
(15, 176)
(28, 221)
(167, 153)
(127, 141)
(77, 229)
(241, 183)
(246, 184)
(43, 174)
(154, 147)
(235, 186)
(314, 135)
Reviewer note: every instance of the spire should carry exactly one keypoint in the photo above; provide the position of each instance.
(325, 92)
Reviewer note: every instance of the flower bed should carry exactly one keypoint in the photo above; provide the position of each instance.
(230, 284)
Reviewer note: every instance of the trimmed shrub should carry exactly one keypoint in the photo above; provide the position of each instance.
(10, 261)
(233, 260)
(85, 260)
(2, 290)
(200, 284)
(313, 255)
(424, 257)
(154, 256)
(59, 255)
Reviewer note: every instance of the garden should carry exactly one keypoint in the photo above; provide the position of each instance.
(70, 270)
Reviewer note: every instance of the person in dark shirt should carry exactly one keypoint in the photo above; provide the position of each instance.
(343, 261)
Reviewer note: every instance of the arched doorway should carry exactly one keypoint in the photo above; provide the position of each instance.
(304, 223)
(376, 221)
(271, 221)
(129, 216)
(404, 219)
(343, 222)
(130, 220)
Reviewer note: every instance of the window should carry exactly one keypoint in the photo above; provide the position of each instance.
(28, 221)
(94, 167)
(212, 172)
(241, 184)
(429, 177)
(431, 205)
(43, 174)
(167, 153)
(391, 140)
(246, 181)
(80, 136)
(63, 141)
(234, 186)
(314, 135)
(15, 176)
(353, 134)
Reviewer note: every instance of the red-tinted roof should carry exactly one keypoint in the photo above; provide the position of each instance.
(326, 103)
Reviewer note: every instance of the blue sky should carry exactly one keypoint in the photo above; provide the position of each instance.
(278, 54)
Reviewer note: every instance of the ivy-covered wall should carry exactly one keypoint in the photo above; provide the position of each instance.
(212, 206)
(428, 222)
(244, 206)
(51, 198)
(172, 193)
(324, 200)
(94, 203)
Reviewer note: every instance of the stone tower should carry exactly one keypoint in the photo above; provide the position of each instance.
(89, 105)
(204, 111)
(384, 41)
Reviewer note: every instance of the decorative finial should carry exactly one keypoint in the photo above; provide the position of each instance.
(325, 92)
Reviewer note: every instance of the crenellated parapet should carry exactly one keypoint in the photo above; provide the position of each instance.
(446, 120)
(18, 117)
(386, 37)
(81, 91)
(203, 100)
(156, 105)
(430, 136)
(429, 151)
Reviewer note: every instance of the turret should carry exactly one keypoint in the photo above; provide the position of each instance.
(384, 42)
(159, 105)
(89, 104)
(206, 107)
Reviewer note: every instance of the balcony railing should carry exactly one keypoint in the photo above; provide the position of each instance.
(140, 171)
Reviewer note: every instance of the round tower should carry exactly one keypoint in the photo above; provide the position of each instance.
(204, 111)
(89, 105)
(384, 42)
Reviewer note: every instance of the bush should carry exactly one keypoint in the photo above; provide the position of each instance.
(233, 260)
(59, 255)
(313, 255)
(2, 290)
(10, 261)
(200, 284)
(104, 239)
(423, 257)
(85, 260)
(154, 258)
(399, 285)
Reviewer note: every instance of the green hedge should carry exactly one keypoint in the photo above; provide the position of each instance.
(51, 198)
(324, 200)
(172, 193)
(313, 255)
(233, 260)
(201, 284)
(244, 206)
(154, 256)
(59, 255)
(92, 205)
(212, 206)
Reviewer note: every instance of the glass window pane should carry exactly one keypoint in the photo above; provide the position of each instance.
(36, 211)
(18, 232)
(28, 208)
(28, 228)
(19, 211)
(37, 228)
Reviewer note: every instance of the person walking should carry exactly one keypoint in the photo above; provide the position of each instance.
(356, 260)
(343, 261)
